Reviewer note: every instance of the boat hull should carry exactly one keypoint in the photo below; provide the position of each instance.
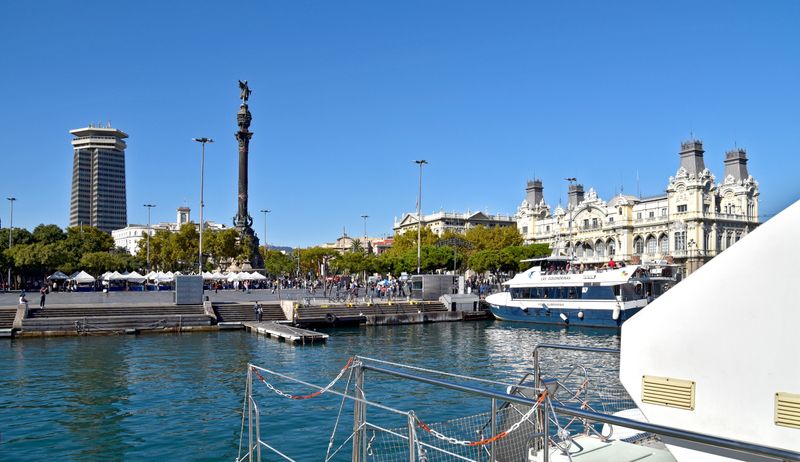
(592, 317)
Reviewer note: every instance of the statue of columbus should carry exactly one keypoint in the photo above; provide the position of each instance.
(244, 91)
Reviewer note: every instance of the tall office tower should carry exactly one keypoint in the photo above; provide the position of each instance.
(98, 178)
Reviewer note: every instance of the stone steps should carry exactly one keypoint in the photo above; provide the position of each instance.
(78, 311)
(241, 312)
(88, 325)
(7, 318)
(329, 314)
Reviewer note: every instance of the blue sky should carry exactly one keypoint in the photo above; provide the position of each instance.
(346, 94)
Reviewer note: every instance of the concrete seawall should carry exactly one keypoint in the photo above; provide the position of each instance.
(121, 318)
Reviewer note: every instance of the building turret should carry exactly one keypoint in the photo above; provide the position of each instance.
(692, 156)
(183, 216)
(534, 193)
(575, 195)
(736, 164)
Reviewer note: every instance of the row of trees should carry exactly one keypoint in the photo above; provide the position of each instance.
(480, 249)
(178, 251)
(48, 248)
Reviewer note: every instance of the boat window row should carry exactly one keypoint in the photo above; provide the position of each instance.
(626, 291)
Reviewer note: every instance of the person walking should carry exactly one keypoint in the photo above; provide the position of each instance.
(259, 312)
(43, 295)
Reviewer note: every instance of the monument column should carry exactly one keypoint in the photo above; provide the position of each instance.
(243, 221)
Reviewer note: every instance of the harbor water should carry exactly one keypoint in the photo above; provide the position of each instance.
(179, 397)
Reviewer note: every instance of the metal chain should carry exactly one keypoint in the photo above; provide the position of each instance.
(350, 363)
(481, 442)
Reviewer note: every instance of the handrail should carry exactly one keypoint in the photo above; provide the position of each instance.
(684, 435)
(556, 346)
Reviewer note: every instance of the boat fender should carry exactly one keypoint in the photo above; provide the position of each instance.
(580, 315)
(564, 318)
(615, 314)
(330, 317)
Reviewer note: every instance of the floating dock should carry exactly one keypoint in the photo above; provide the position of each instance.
(285, 332)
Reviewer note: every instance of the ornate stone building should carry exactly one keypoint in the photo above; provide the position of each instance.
(694, 220)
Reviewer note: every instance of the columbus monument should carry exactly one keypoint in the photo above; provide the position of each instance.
(243, 221)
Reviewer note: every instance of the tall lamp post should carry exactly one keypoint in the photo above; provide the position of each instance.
(365, 231)
(202, 141)
(10, 231)
(149, 206)
(266, 246)
(420, 162)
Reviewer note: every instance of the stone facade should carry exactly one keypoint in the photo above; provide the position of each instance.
(458, 222)
(694, 220)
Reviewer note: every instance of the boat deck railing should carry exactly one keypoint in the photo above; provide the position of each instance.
(516, 422)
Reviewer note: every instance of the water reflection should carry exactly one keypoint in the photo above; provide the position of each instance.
(96, 398)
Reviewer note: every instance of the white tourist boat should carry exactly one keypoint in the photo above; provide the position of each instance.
(552, 293)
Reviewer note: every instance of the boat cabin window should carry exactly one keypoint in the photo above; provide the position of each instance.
(568, 293)
(628, 292)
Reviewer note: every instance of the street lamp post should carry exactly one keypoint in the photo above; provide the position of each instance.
(10, 231)
(149, 206)
(266, 246)
(365, 231)
(202, 141)
(420, 162)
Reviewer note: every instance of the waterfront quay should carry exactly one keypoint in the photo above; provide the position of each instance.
(96, 313)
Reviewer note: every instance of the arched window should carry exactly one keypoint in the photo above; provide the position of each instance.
(638, 246)
(578, 250)
(588, 250)
(600, 248)
(728, 240)
(612, 247)
(651, 245)
(663, 244)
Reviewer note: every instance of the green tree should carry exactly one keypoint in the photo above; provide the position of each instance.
(277, 263)
(48, 234)
(485, 260)
(408, 240)
(312, 257)
(483, 238)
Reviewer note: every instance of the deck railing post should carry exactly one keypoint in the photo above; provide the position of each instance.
(412, 438)
(249, 397)
(545, 430)
(494, 427)
(359, 416)
(258, 433)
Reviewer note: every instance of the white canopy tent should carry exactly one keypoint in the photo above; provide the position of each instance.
(135, 277)
(82, 278)
(258, 276)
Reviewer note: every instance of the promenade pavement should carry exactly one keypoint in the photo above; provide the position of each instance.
(99, 298)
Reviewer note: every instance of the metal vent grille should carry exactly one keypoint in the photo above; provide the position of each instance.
(787, 410)
(666, 391)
